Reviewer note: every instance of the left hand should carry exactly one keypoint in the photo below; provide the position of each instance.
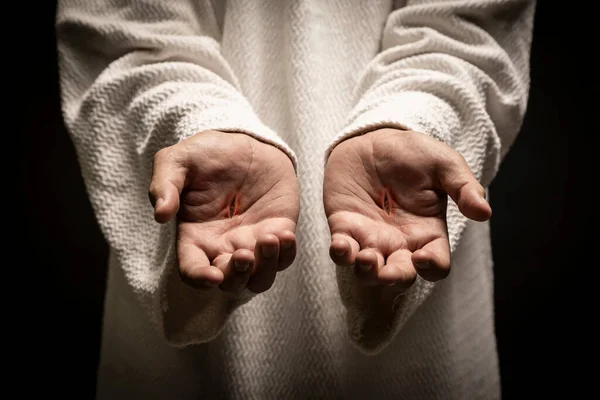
(385, 196)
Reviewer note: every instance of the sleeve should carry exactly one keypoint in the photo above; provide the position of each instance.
(135, 77)
(457, 70)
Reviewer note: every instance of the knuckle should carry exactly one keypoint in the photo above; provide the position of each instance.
(153, 190)
(161, 154)
(165, 155)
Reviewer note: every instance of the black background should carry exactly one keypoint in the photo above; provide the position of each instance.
(536, 219)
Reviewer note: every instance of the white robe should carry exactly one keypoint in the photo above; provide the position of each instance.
(302, 75)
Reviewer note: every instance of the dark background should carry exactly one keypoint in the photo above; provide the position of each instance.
(532, 228)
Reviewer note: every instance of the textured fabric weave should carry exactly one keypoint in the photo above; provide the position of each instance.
(301, 75)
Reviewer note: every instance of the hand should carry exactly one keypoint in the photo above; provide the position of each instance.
(236, 200)
(385, 196)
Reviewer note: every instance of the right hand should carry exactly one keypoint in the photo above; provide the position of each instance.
(237, 202)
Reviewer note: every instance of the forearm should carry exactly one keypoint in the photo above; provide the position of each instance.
(135, 80)
(152, 70)
(455, 70)
(458, 70)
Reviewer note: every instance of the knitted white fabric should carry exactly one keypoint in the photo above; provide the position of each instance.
(141, 75)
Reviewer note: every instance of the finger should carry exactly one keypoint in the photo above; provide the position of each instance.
(398, 270)
(266, 256)
(195, 269)
(458, 181)
(168, 178)
(236, 269)
(367, 265)
(432, 261)
(287, 249)
(343, 249)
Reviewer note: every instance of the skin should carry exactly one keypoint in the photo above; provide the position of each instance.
(385, 192)
(236, 201)
(385, 196)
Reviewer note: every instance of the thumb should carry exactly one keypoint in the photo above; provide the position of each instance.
(168, 178)
(457, 179)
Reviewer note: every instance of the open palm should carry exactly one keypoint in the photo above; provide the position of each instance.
(236, 200)
(385, 196)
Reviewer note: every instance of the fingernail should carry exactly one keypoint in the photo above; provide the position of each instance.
(269, 251)
(241, 266)
(364, 267)
(339, 252)
(286, 245)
